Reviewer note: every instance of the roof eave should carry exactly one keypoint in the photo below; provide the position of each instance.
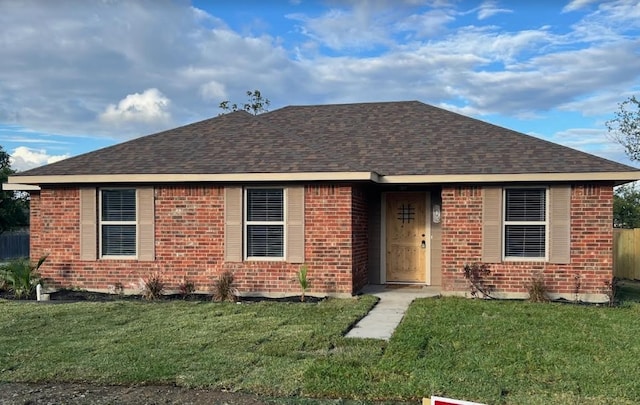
(186, 178)
(31, 183)
(19, 187)
(617, 177)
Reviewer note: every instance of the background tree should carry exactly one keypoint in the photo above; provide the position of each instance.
(13, 207)
(626, 207)
(256, 104)
(625, 127)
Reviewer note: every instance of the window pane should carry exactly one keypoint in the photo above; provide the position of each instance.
(525, 205)
(118, 240)
(118, 205)
(525, 240)
(265, 205)
(265, 241)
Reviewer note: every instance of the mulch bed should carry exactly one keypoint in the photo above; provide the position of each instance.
(66, 295)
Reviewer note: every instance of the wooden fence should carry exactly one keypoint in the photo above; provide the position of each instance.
(14, 245)
(626, 253)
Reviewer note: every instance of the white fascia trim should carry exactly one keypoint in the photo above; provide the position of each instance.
(182, 178)
(19, 187)
(20, 182)
(520, 177)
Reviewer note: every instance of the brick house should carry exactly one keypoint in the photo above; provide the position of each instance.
(370, 193)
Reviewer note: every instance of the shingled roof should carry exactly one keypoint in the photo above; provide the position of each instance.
(385, 139)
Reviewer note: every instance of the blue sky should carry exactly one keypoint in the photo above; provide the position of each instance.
(78, 75)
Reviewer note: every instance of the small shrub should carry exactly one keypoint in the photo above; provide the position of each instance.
(537, 289)
(611, 290)
(21, 277)
(577, 285)
(301, 276)
(224, 288)
(187, 287)
(117, 289)
(153, 287)
(476, 274)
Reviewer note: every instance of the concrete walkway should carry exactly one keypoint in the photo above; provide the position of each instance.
(382, 320)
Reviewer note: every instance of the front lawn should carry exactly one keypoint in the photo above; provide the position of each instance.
(487, 351)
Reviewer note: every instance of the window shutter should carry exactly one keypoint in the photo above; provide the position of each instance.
(560, 224)
(146, 219)
(233, 224)
(295, 224)
(491, 225)
(88, 225)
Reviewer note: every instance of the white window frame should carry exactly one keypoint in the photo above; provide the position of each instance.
(246, 223)
(101, 223)
(505, 223)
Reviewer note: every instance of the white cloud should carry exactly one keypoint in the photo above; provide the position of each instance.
(594, 141)
(147, 107)
(213, 91)
(24, 158)
(490, 8)
(575, 5)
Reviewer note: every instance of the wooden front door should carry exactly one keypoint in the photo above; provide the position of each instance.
(407, 241)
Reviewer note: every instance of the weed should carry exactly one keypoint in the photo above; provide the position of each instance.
(476, 274)
(224, 288)
(301, 276)
(537, 289)
(187, 287)
(611, 290)
(117, 289)
(21, 276)
(153, 287)
(577, 285)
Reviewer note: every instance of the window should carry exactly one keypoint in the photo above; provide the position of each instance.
(264, 223)
(525, 223)
(118, 225)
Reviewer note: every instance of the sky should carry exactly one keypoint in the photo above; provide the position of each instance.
(79, 75)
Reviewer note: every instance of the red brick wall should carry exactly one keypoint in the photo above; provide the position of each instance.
(591, 244)
(360, 232)
(189, 243)
(35, 226)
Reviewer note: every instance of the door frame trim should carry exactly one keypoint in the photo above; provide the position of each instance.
(383, 237)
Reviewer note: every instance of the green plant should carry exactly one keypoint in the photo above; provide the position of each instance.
(611, 290)
(577, 285)
(224, 288)
(187, 287)
(20, 276)
(117, 289)
(476, 274)
(537, 289)
(301, 276)
(153, 287)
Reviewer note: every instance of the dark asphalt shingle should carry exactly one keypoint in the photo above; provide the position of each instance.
(395, 138)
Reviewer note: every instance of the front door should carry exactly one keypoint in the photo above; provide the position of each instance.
(406, 237)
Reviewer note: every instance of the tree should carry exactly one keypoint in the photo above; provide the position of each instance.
(626, 207)
(625, 127)
(13, 207)
(255, 105)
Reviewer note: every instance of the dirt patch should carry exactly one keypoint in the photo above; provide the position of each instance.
(88, 394)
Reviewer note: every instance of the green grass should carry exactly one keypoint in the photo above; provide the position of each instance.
(495, 352)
